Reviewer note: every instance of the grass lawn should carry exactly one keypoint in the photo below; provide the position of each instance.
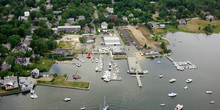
(44, 63)
(2, 91)
(191, 27)
(60, 81)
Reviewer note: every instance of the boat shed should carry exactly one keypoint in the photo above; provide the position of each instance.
(111, 40)
(117, 50)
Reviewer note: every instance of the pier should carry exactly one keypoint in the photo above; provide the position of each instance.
(139, 80)
(134, 66)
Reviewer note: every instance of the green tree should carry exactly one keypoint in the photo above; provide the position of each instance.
(4, 51)
(17, 68)
(3, 38)
(110, 25)
(82, 39)
(14, 40)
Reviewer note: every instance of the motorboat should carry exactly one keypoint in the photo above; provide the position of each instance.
(105, 106)
(159, 62)
(188, 80)
(208, 92)
(109, 68)
(32, 91)
(160, 76)
(162, 105)
(186, 87)
(78, 65)
(173, 94)
(96, 69)
(145, 71)
(107, 79)
(128, 71)
(178, 107)
(67, 99)
(97, 60)
(82, 108)
(109, 64)
(212, 102)
(34, 96)
(172, 80)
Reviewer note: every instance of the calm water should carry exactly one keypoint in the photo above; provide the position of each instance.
(200, 49)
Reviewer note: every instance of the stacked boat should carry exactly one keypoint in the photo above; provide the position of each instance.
(106, 76)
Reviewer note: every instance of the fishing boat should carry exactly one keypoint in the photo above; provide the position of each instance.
(105, 107)
(162, 105)
(178, 107)
(173, 94)
(160, 76)
(188, 80)
(172, 80)
(185, 87)
(34, 96)
(208, 92)
(67, 99)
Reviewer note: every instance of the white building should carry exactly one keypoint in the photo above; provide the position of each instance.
(124, 18)
(26, 83)
(162, 26)
(35, 73)
(110, 10)
(111, 40)
(26, 13)
(104, 26)
(81, 17)
(75, 28)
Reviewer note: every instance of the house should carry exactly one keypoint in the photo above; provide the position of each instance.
(110, 10)
(112, 17)
(70, 21)
(35, 9)
(153, 24)
(205, 13)
(209, 18)
(28, 38)
(43, 19)
(59, 17)
(26, 83)
(49, 6)
(104, 26)
(35, 73)
(22, 18)
(111, 40)
(131, 15)
(162, 26)
(10, 16)
(124, 18)
(23, 48)
(100, 4)
(10, 82)
(22, 61)
(63, 52)
(26, 13)
(37, 1)
(182, 22)
(7, 5)
(152, 2)
(75, 28)
(87, 30)
(57, 12)
(81, 17)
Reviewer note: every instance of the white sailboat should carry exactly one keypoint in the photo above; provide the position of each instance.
(186, 87)
(188, 80)
(67, 99)
(173, 94)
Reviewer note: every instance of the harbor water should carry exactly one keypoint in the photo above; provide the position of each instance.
(200, 49)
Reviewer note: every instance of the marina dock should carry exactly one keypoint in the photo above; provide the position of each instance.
(134, 66)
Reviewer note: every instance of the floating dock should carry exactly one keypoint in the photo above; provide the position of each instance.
(134, 66)
(139, 80)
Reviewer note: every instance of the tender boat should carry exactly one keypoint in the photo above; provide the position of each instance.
(67, 99)
(178, 107)
(128, 71)
(34, 96)
(185, 87)
(162, 105)
(172, 80)
(188, 80)
(145, 71)
(32, 91)
(160, 76)
(173, 94)
(208, 92)
(212, 102)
